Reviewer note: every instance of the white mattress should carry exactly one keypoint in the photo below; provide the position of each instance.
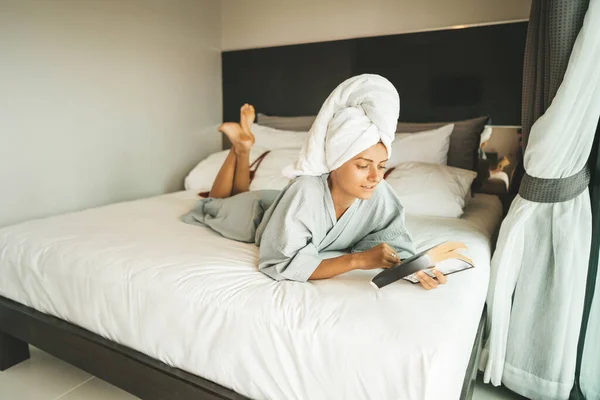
(133, 273)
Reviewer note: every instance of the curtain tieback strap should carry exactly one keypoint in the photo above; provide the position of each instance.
(542, 190)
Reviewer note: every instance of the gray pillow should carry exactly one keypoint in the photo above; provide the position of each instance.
(464, 140)
(301, 124)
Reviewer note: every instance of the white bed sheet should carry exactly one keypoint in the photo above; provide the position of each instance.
(133, 273)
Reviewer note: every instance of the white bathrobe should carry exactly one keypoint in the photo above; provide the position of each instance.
(294, 226)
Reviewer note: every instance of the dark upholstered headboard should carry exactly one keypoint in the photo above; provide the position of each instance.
(441, 75)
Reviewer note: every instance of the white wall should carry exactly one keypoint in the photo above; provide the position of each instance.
(104, 100)
(264, 23)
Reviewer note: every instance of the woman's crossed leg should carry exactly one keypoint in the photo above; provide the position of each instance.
(234, 175)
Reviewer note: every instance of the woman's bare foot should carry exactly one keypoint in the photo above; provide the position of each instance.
(247, 116)
(240, 140)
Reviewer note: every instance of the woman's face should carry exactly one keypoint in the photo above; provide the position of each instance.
(359, 176)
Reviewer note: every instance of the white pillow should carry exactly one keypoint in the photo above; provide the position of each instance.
(203, 175)
(431, 189)
(271, 139)
(430, 146)
(269, 174)
(426, 147)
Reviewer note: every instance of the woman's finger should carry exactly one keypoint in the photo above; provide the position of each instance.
(392, 257)
(432, 282)
(440, 277)
(426, 281)
(424, 284)
(429, 280)
(388, 263)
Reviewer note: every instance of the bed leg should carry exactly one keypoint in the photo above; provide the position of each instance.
(12, 351)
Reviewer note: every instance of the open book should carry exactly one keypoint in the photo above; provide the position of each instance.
(444, 257)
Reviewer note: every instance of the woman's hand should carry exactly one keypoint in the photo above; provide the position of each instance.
(428, 282)
(380, 256)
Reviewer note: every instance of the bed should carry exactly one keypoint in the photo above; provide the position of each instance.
(121, 271)
(166, 310)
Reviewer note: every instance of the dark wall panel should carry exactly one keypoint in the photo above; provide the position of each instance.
(289, 80)
(440, 75)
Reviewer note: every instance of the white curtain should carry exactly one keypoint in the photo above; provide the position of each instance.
(539, 269)
(590, 364)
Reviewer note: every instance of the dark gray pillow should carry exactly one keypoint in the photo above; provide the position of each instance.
(464, 140)
(301, 124)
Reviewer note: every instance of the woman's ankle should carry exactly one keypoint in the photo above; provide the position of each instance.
(241, 151)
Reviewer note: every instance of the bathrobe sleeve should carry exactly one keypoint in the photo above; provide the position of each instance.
(286, 250)
(388, 226)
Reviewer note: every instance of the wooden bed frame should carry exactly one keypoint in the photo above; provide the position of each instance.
(121, 366)
(130, 370)
(437, 63)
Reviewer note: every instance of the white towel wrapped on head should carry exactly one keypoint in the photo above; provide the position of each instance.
(361, 112)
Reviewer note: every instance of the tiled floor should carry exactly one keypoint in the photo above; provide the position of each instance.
(44, 377)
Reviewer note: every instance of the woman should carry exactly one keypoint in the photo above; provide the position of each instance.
(337, 200)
